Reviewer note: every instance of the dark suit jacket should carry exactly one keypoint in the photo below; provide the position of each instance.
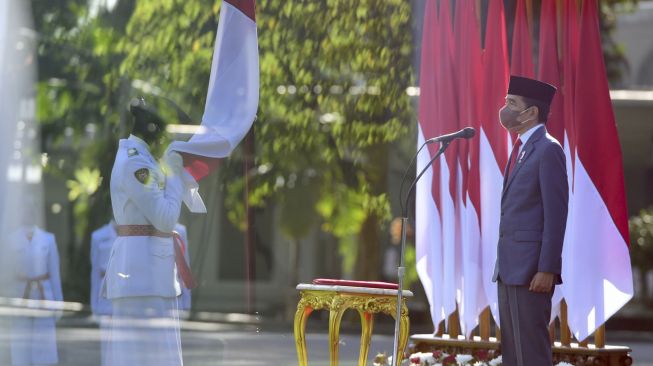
(533, 213)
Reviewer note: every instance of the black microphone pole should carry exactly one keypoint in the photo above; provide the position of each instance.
(403, 178)
(401, 270)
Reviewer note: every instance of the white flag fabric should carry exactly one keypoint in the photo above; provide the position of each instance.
(428, 232)
(596, 267)
(232, 98)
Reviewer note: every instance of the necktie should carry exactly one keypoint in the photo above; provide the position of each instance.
(513, 156)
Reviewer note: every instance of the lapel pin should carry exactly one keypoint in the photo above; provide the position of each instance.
(521, 156)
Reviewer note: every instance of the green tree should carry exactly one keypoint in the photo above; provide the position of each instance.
(641, 246)
(332, 100)
(336, 74)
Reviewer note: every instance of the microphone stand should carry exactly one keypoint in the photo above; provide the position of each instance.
(401, 270)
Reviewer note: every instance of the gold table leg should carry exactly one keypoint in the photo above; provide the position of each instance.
(301, 316)
(338, 307)
(367, 323)
(404, 327)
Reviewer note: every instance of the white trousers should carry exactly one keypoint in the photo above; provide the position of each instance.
(145, 332)
(105, 337)
(33, 341)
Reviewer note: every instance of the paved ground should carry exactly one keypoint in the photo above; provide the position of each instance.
(251, 348)
(213, 344)
(226, 347)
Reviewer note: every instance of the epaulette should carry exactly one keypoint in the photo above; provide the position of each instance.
(132, 152)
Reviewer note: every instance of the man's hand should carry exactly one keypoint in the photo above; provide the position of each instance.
(541, 282)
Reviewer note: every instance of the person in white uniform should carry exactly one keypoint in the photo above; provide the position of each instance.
(101, 241)
(37, 278)
(141, 277)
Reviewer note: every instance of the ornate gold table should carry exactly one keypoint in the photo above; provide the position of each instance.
(336, 299)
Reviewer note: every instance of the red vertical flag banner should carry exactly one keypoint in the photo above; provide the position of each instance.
(549, 71)
(493, 140)
(569, 58)
(428, 224)
(549, 66)
(469, 71)
(521, 62)
(596, 268)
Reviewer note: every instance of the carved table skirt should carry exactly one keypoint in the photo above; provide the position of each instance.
(337, 299)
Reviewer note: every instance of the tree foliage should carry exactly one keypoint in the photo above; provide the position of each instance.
(641, 248)
(641, 239)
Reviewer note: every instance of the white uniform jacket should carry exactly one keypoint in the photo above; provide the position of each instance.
(36, 265)
(142, 195)
(101, 241)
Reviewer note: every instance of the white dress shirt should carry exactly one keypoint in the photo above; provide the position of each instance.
(526, 135)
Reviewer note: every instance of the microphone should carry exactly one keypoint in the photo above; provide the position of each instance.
(465, 133)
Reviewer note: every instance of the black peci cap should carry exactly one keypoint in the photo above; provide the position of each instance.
(531, 88)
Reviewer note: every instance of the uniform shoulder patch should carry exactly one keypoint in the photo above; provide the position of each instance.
(132, 152)
(142, 175)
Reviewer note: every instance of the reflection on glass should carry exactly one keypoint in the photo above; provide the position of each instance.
(30, 286)
(38, 285)
(101, 242)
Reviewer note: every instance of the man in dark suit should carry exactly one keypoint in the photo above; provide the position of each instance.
(532, 227)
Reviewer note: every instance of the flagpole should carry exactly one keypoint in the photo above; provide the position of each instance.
(401, 270)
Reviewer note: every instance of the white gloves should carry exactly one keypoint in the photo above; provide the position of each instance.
(172, 162)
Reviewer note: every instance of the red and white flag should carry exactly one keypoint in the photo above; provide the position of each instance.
(596, 264)
(549, 72)
(441, 196)
(469, 80)
(458, 200)
(457, 211)
(232, 98)
(493, 139)
(428, 223)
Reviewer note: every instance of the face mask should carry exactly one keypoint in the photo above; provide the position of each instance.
(508, 117)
